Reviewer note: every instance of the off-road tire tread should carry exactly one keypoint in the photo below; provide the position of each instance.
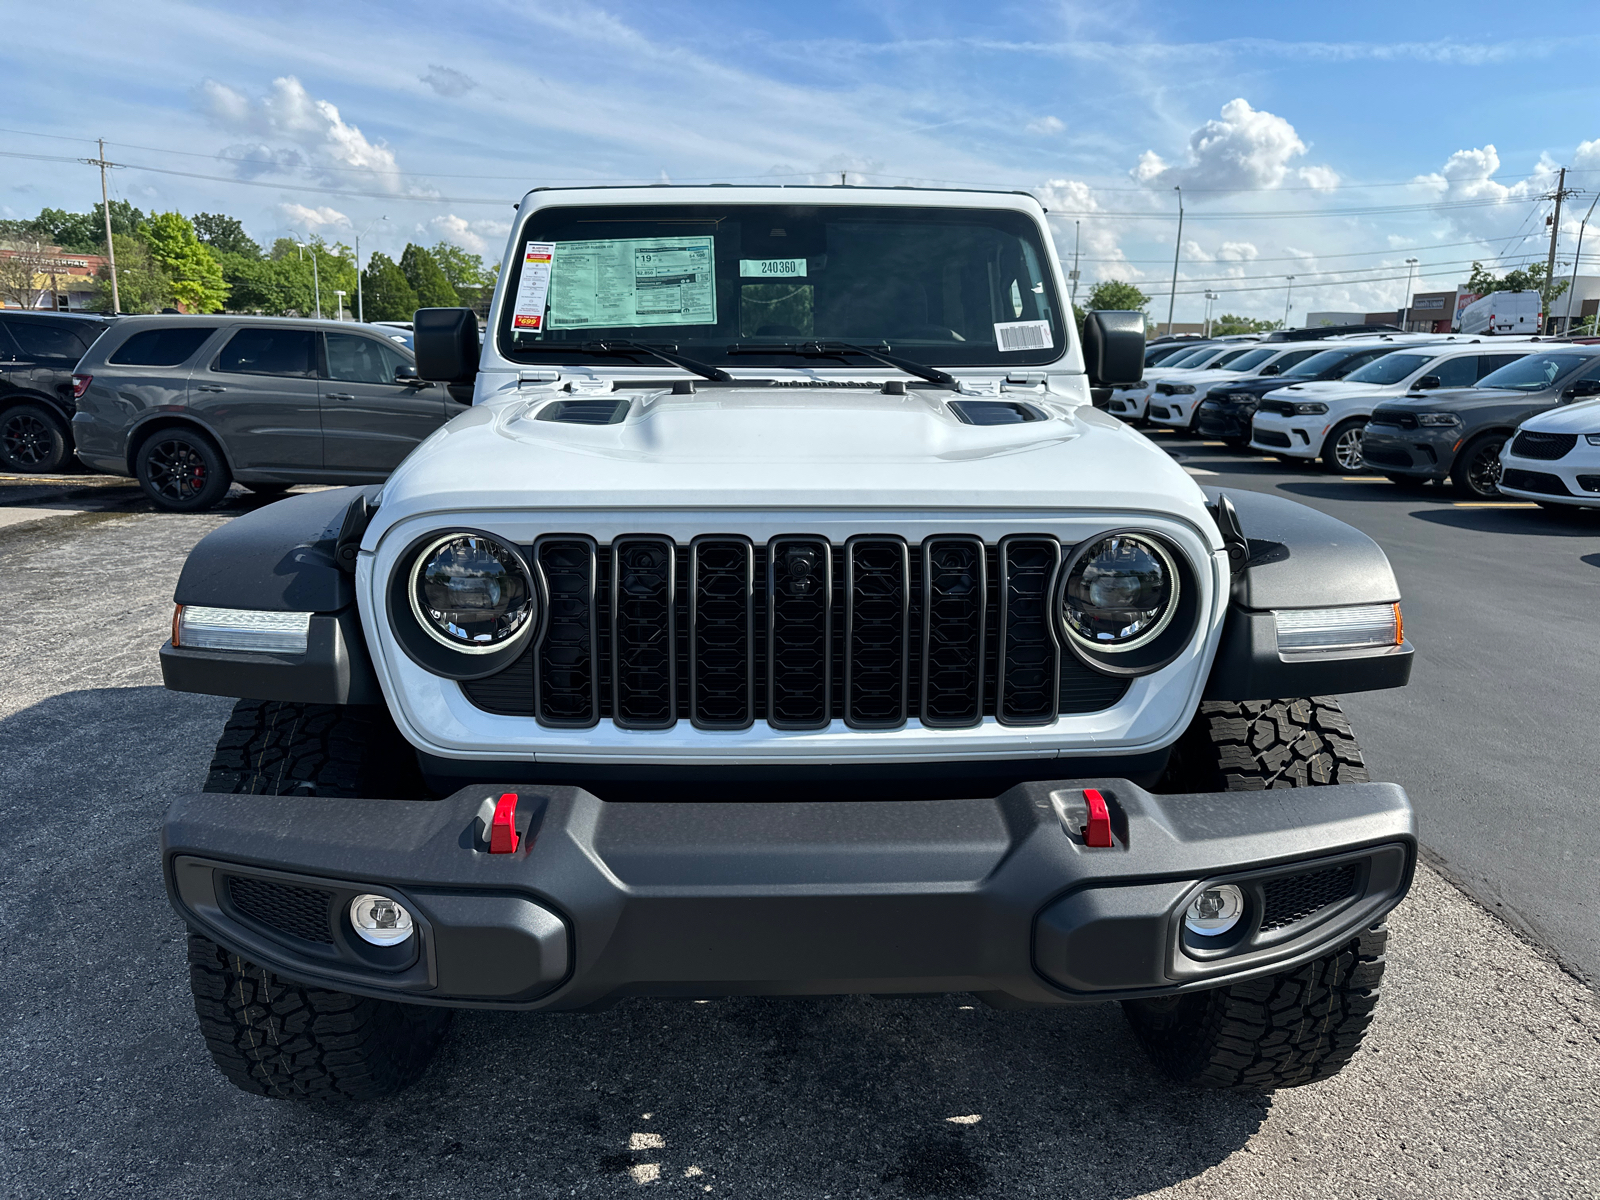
(279, 748)
(1279, 1031)
(1251, 745)
(271, 1037)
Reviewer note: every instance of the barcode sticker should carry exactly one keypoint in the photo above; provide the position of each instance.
(1023, 335)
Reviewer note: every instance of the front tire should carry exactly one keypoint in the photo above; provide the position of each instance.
(270, 1035)
(1477, 467)
(1341, 451)
(182, 470)
(33, 440)
(1299, 1026)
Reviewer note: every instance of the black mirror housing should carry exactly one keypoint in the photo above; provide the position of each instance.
(406, 373)
(1426, 384)
(1581, 389)
(1113, 348)
(1271, 369)
(446, 344)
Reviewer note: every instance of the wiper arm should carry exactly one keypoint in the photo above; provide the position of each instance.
(831, 349)
(618, 349)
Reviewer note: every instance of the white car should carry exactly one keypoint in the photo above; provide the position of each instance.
(1131, 401)
(1324, 420)
(1554, 459)
(1174, 402)
(783, 619)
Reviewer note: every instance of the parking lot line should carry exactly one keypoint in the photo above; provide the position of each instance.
(1492, 504)
(1199, 471)
(1363, 479)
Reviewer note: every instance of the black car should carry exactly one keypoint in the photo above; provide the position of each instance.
(38, 351)
(1228, 408)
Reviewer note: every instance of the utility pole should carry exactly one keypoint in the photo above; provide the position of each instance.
(1411, 274)
(1172, 297)
(1555, 232)
(1287, 296)
(1077, 240)
(105, 204)
(1572, 287)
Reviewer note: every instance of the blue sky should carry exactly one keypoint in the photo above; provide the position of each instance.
(1327, 142)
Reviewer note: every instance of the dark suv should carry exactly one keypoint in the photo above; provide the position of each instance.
(188, 404)
(1229, 408)
(38, 351)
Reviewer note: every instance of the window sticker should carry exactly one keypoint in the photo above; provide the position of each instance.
(772, 268)
(1023, 335)
(533, 287)
(631, 282)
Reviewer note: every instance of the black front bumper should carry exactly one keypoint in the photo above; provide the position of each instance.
(1001, 897)
(1216, 420)
(1421, 453)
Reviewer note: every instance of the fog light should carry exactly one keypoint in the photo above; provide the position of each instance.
(1215, 911)
(380, 920)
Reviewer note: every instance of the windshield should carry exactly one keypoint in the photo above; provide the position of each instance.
(1316, 365)
(1252, 360)
(1534, 373)
(1167, 354)
(1195, 359)
(1391, 368)
(753, 284)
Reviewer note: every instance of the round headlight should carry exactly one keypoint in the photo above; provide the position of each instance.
(1120, 593)
(471, 593)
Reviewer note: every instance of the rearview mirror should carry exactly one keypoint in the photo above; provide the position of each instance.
(1113, 348)
(445, 341)
(1272, 369)
(1426, 384)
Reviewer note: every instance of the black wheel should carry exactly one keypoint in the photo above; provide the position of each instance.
(1477, 469)
(33, 440)
(269, 1035)
(1341, 450)
(181, 470)
(1410, 483)
(1302, 1025)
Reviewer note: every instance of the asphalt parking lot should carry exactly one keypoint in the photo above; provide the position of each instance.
(1478, 1079)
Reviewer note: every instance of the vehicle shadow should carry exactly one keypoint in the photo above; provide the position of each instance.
(1523, 521)
(1592, 559)
(1378, 489)
(112, 1089)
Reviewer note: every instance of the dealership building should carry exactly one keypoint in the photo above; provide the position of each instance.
(47, 277)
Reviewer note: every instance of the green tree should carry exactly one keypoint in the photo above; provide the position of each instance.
(195, 273)
(462, 268)
(272, 287)
(1117, 296)
(1523, 279)
(142, 284)
(82, 233)
(386, 293)
(225, 235)
(422, 272)
(1228, 323)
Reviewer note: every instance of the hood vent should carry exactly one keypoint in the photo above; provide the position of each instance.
(585, 412)
(995, 412)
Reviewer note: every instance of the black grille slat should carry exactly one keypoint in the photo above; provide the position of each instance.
(722, 633)
(566, 667)
(644, 628)
(1030, 657)
(1273, 437)
(877, 631)
(799, 633)
(1389, 416)
(299, 912)
(954, 590)
(1546, 446)
(510, 692)
(1297, 897)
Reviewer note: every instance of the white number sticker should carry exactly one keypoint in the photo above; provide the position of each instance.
(773, 268)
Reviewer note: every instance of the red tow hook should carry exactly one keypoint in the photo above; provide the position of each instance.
(503, 830)
(1097, 832)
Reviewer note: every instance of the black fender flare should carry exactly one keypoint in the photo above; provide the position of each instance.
(11, 399)
(294, 555)
(1296, 557)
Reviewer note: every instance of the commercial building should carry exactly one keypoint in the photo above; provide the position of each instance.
(47, 277)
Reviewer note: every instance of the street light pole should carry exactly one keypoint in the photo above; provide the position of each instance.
(1572, 287)
(1172, 297)
(1287, 296)
(1411, 273)
(316, 283)
(338, 305)
(361, 311)
(1210, 296)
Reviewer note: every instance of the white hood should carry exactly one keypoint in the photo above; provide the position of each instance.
(1583, 417)
(811, 448)
(1326, 389)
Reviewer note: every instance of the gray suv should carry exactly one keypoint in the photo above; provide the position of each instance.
(188, 404)
(1457, 433)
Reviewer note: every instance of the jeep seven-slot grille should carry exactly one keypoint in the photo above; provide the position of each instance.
(724, 632)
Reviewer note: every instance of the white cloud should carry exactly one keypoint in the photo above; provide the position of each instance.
(312, 220)
(1245, 149)
(1489, 209)
(447, 81)
(1047, 126)
(1237, 252)
(288, 113)
(482, 236)
(1322, 178)
(1101, 236)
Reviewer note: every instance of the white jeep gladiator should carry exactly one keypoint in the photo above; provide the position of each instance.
(780, 617)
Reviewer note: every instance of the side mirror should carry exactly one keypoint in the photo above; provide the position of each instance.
(445, 341)
(1271, 369)
(405, 373)
(1113, 348)
(1426, 384)
(1581, 389)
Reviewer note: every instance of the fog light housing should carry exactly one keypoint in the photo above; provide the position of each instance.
(380, 920)
(1215, 911)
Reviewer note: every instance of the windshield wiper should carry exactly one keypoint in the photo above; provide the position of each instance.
(617, 349)
(830, 349)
